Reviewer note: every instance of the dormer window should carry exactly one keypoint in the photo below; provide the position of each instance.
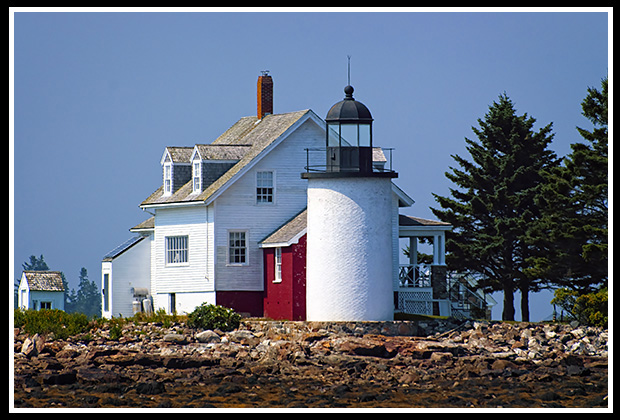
(196, 176)
(177, 170)
(167, 178)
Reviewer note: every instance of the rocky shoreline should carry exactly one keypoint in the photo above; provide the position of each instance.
(273, 364)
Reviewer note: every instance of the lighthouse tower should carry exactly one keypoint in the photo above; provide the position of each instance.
(349, 227)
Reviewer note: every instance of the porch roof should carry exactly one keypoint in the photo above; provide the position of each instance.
(409, 226)
(287, 234)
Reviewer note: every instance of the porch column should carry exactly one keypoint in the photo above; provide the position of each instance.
(442, 249)
(436, 250)
(413, 250)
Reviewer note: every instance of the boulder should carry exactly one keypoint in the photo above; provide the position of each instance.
(208, 336)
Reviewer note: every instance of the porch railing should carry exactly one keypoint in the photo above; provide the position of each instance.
(414, 275)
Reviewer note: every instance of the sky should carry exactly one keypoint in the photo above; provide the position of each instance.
(96, 96)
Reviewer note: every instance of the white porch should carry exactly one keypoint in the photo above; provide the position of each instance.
(422, 288)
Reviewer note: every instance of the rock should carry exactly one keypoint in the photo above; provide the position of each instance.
(175, 338)
(339, 364)
(441, 357)
(32, 346)
(502, 364)
(208, 336)
(61, 378)
(95, 375)
(366, 346)
(243, 337)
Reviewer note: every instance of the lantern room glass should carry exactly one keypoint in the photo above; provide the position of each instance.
(349, 135)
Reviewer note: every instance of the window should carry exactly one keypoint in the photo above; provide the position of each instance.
(264, 187)
(237, 248)
(278, 265)
(196, 176)
(172, 303)
(176, 250)
(46, 305)
(167, 178)
(106, 292)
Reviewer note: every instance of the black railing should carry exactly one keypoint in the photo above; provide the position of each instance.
(380, 162)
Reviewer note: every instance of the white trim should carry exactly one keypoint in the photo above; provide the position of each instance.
(247, 248)
(167, 251)
(277, 266)
(273, 188)
(196, 163)
(294, 240)
(169, 177)
(402, 196)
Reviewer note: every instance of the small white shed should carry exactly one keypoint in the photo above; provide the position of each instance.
(41, 290)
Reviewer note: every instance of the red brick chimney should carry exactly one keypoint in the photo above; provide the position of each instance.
(264, 92)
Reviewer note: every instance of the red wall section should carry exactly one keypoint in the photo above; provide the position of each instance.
(287, 299)
(250, 303)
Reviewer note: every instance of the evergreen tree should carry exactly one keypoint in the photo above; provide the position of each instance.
(573, 232)
(494, 206)
(87, 300)
(35, 264)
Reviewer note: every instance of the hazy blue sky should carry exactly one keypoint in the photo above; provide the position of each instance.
(97, 97)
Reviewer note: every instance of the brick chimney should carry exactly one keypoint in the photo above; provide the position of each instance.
(264, 92)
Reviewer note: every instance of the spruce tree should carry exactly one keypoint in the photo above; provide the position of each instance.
(572, 235)
(494, 205)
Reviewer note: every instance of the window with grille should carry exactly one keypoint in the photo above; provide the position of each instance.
(167, 178)
(176, 250)
(278, 265)
(264, 187)
(237, 248)
(196, 176)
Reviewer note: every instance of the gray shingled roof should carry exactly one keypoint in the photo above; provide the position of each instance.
(45, 281)
(418, 221)
(248, 133)
(288, 232)
(180, 154)
(222, 151)
(148, 224)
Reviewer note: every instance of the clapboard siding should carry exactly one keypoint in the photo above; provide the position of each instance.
(190, 277)
(236, 208)
(130, 269)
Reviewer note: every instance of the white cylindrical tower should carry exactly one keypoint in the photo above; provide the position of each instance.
(349, 250)
(349, 231)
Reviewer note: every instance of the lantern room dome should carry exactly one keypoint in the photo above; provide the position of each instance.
(349, 110)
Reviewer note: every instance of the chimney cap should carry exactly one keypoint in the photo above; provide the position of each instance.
(264, 72)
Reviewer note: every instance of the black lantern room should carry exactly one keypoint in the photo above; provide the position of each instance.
(349, 136)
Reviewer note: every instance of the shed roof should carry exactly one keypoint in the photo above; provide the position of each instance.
(122, 248)
(44, 281)
(288, 233)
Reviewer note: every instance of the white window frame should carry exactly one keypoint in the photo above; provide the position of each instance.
(196, 176)
(105, 291)
(235, 235)
(265, 188)
(278, 265)
(168, 178)
(176, 250)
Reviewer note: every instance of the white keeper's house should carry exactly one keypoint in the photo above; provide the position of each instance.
(230, 224)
